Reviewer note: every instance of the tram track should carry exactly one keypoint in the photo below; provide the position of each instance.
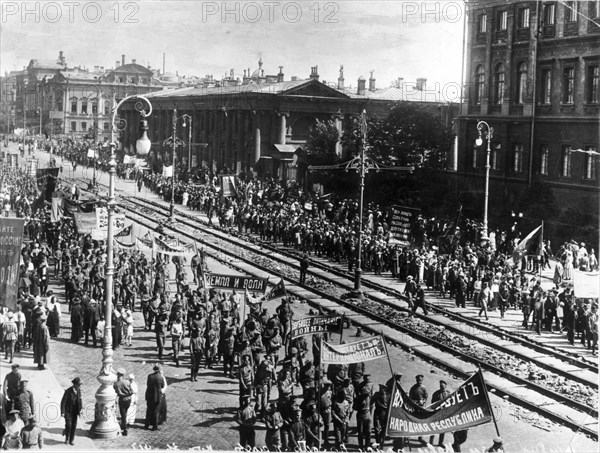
(384, 318)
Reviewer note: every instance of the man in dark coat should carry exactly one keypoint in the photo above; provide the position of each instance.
(154, 387)
(70, 408)
(76, 321)
(41, 343)
(303, 268)
(91, 317)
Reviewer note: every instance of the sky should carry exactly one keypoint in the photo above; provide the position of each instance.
(394, 38)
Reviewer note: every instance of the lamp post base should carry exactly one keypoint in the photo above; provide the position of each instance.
(105, 424)
(171, 211)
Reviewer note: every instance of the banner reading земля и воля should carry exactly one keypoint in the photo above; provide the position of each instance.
(11, 241)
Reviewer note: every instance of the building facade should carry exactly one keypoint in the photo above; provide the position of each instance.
(532, 74)
(261, 122)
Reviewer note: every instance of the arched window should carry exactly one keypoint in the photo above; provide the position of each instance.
(479, 84)
(499, 84)
(521, 82)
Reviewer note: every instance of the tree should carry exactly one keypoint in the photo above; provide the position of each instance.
(320, 145)
(412, 134)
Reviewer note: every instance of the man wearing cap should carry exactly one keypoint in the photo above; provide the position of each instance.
(124, 392)
(314, 422)
(10, 336)
(23, 401)
(439, 395)
(418, 393)
(154, 390)
(91, 317)
(380, 402)
(362, 406)
(41, 343)
(273, 422)
(246, 377)
(265, 375)
(340, 413)
(246, 418)
(71, 406)
(12, 384)
(31, 435)
(410, 290)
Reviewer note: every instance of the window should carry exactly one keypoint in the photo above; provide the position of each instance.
(594, 9)
(479, 84)
(73, 126)
(502, 20)
(521, 82)
(106, 108)
(84, 106)
(590, 162)
(83, 126)
(571, 11)
(499, 84)
(94, 108)
(549, 11)
(518, 158)
(482, 23)
(544, 153)
(524, 18)
(565, 158)
(592, 84)
(568, 85)
(474, 159)
(494, 158)
(105, 126)
(74, 105)
(546, 86)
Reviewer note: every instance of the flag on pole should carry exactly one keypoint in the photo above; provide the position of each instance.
(530, 245)
(276, 292)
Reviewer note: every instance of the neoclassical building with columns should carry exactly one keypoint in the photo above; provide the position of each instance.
(259, 123)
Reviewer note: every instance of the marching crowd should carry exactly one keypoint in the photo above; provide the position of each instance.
(212, 328)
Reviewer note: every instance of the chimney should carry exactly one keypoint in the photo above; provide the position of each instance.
(361, 86)
(117, 64)
(61, 57)
(372, 81)
(294, 78)
(133, 61)
(314, 72)
(280, 74)
(399, 82)
(340, 84)
(421, 83)
(123, 60)
(96, 68)
(244, 73)
(164, 56)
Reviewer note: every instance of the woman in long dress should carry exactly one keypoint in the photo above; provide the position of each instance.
(53, 316)
(568, 267)
(132, 412)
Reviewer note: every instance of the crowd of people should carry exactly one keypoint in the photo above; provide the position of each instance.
(212, 328)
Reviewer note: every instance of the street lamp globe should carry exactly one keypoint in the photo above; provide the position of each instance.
(478, 141)
(142, 145)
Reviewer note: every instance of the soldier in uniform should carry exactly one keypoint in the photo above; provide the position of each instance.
(340, 413)
(325, 407)
(362, 406)
(273, 423)
(418, 393)
(246, 419)
(246, 377)
(440, 395)
(314, 422)
(265, 375)
(297, 432)
(380, 402)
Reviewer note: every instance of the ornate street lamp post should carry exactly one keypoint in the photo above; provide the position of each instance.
(175, 142)
(105, 421)
(489, 133)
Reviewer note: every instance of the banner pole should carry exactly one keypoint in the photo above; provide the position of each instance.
(387, 353)
(487, 398)
(342, 328)
(321, 369)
